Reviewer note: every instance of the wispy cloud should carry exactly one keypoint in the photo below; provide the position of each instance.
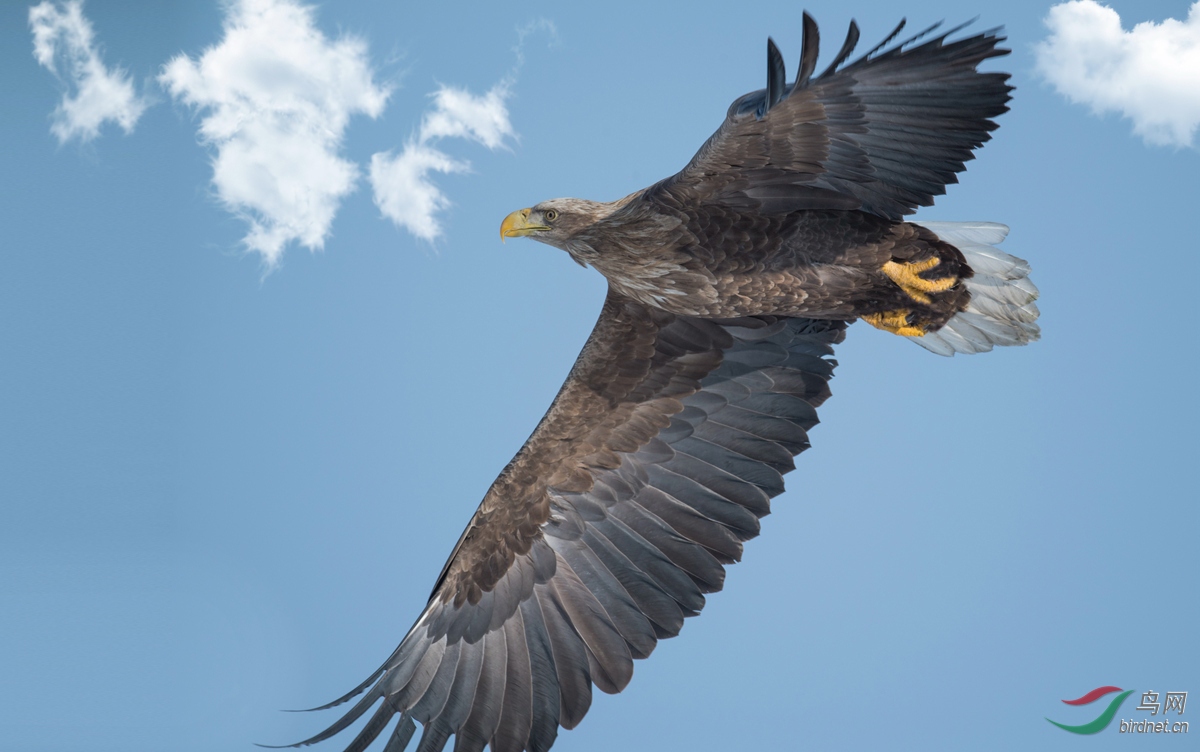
(64, 43)
(403, 190)
(402, 184)
(1150, 74)
(277, 95)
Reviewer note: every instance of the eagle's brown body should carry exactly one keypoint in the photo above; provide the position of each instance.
(729, 284)
(813, 263)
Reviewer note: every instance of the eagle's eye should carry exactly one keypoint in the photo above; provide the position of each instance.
(551, 215)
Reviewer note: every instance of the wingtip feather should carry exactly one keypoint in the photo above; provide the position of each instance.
(809, 49)
(776, 75)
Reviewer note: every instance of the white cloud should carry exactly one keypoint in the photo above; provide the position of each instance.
(459, 113)
(64, 43)
(277, 95)
(1150, 74)
(403, 191)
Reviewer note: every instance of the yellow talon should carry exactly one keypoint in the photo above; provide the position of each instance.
(895, 322)
(905, 275)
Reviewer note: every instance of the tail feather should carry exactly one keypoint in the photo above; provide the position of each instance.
(1002, 310)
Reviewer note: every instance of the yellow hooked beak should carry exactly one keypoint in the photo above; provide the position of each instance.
(517, 224)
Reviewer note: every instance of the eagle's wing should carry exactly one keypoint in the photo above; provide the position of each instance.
(884, 134)
(652, 466)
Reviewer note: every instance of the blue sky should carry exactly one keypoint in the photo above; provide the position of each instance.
(247, 413)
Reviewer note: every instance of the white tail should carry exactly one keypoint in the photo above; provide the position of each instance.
(1002, 310)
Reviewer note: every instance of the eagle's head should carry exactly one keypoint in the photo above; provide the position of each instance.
(554, 222)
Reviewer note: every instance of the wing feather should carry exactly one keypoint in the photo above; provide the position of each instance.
(651, 469)
(742, 522)
(883, 134)
(545, 696)
(570, 660)
(609, 658)
(453, 715)
(374, 727)
(516, 718)
(669, 577)
(619, 608)
(695, 560)
(401, 735)
(649, 597)
(488, 702)
(437, 692)
(810, 47)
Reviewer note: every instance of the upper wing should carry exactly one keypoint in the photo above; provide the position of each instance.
(653, 464)
(884, 134)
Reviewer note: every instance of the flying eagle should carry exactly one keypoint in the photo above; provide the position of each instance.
(729, 284)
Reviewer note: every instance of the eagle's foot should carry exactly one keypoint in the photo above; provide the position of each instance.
(895, 322)
(906, 275)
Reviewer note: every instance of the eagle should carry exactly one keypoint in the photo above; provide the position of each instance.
(729, 283)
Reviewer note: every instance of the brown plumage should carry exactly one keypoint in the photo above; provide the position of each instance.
(729, 284)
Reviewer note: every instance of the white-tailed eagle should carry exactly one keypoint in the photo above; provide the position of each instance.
(729, 284)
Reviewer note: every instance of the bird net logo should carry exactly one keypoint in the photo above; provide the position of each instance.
(1174, 702)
